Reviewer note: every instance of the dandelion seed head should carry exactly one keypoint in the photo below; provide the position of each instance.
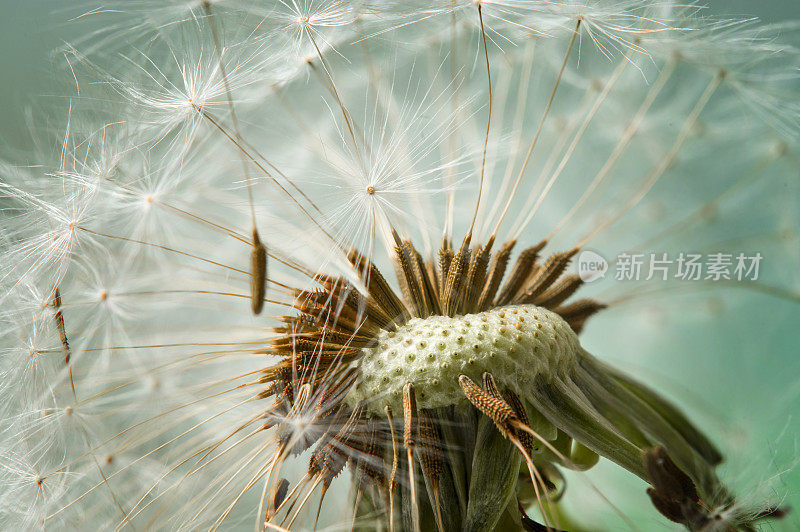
(406, 182)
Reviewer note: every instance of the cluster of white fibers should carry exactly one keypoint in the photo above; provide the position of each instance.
(129, 354)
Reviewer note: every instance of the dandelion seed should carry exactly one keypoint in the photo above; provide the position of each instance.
(258, 273)
(402, 192)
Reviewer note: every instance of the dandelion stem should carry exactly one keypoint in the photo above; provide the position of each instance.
(623, 143)
(488, 121)
(545, 113)
(166, 248)
(234, 119)
(578, 135)
(451, 145)
(303, 503)
(253, 160)
(345, 113)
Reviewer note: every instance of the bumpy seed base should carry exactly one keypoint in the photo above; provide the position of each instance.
(514, 343)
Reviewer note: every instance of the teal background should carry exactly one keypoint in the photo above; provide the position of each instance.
(755, 398)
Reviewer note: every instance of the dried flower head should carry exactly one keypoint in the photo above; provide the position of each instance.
(309, 264)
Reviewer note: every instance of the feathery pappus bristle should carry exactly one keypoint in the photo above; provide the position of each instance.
(453, 265)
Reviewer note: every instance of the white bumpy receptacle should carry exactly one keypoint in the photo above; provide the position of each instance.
(514, 344)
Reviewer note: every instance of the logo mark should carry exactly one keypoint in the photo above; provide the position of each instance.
(591, 266)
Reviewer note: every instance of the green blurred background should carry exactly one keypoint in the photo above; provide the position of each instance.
(31, 78)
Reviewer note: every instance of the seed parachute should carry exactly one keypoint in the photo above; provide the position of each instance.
(319, 265)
